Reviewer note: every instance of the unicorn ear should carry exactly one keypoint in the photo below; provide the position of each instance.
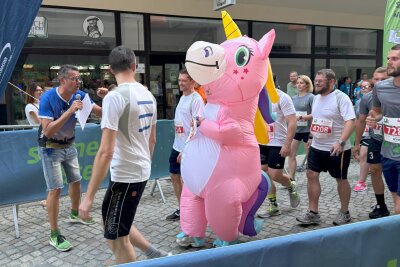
(266, 42)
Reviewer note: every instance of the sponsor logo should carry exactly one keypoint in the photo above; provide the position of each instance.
(6, 55)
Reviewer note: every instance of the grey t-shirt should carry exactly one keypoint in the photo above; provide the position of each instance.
(303, 104)
(387, 97)
(365, 108)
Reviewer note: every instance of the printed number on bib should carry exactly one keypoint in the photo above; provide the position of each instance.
(377, 129)
(391, 130)
(179, 130)
(301, 122)
(271, 131)
(321, 128)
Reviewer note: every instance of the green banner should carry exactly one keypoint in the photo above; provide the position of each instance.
(391, 34)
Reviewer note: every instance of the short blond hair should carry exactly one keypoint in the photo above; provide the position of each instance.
(308, 82)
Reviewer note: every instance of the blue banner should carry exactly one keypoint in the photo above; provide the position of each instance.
(21, 175)
(17, 17)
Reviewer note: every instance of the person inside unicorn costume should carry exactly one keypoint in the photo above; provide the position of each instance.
(223, 182)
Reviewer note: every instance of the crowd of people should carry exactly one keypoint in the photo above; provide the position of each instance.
(312, 112)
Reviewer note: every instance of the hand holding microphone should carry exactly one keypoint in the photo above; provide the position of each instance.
(77, 104)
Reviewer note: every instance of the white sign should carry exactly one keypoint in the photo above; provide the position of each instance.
(220, 4)
(39, 28)
(140, 68)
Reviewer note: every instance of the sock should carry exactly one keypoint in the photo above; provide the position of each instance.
(152, 253)
(74, 212)
(54, 233)
(272, 199)
(380, 199)
(313, 212)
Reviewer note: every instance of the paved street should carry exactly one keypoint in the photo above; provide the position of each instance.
(90, 249)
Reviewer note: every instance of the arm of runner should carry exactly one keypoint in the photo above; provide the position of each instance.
(347, 130)
(152, 139)
(360, 127)
(100, 167)
(291, 131)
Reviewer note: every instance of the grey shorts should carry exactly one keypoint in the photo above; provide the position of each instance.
(55, 158)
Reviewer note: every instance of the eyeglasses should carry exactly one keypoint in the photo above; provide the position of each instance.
(75, 79)
(321, 81)
(366, 86)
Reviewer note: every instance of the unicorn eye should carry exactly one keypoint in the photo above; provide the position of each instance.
(208, 51)
(242, 56)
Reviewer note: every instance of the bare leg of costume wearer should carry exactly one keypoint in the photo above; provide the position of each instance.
(177, 184)
(53, 202)
(313, 190)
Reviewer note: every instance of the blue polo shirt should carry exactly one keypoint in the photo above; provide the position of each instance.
(52, 106)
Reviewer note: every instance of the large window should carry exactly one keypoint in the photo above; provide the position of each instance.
(178, 34)
(353, 67)
(353, 41)
(283, 66)
(321, 40)
(132, 32)
(67, 28)
(290, 38)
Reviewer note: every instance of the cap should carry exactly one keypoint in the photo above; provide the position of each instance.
(92, 18)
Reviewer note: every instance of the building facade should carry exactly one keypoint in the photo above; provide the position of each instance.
(83, 35)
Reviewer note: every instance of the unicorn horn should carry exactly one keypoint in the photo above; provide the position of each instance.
(231, 29)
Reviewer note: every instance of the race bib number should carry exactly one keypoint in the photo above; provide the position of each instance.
(391, 130)
(377, 129)
(301, 122)
(321, 128)
(179, 130)
(271, 131)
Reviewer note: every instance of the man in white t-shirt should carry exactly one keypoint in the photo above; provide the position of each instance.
(190, 106)
(273, 155)
(129, 116)
(332, 124)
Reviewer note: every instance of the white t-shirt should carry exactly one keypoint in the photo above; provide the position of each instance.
(131, 110)
(189, 107)
(328, 119)
(31, 108)
(277, 131)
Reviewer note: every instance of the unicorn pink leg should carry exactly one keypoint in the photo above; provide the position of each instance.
(193, 220)
(224, 214)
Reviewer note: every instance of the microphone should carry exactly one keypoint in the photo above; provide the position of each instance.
(77, 97)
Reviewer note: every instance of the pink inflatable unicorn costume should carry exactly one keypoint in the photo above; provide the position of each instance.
(223, 183)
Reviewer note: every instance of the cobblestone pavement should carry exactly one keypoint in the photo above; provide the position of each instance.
(90, 249)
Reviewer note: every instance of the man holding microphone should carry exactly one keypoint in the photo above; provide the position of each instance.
(57, 149)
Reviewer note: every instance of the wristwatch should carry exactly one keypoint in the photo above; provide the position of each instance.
(342, 143)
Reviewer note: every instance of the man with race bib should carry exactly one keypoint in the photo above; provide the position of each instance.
(273, 155)
(332, 124)
(373, 145)
(386, 106)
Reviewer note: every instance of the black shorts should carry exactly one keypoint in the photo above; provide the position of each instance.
(174, 166)
(270, 156)
(322, 161)
(374, 152)
(301, 137)
(365, 142)
(119, 208)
